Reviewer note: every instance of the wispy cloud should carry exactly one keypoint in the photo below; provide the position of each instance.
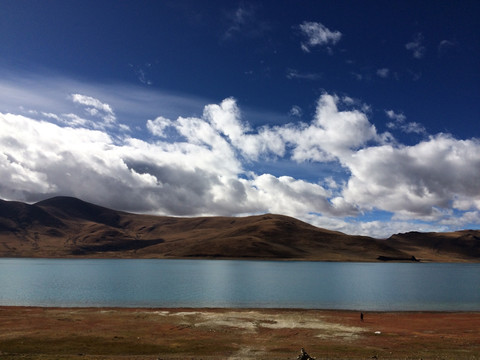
(318, 34)
(295, 74)
(383, 73)
(52, 94)
(398, 117)
(400, 123)
(96, 108)
(141, 72)
(357, 76)
(239, 18)
(296, 111)
(416, 46)
(445, 46)
(243, 21)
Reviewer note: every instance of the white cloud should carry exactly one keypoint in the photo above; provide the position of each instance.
(415, 182)
(141, 72)
(239, 18)
(243, 21)
(296, 111)
(339, 132)
(48, 159)
(95, 107)
(157, 127)
(295, 74)
(383, 73)
(463, 221)
(361, 76)
(414, 127)
(22, 92)
(399, 123)
(318, 34)
(92, 103)
(445, 46)
(221, 128)
(394, 116)
(51, 116)
(416, 46)
(206, 164)
(74, 120)
(291, 196)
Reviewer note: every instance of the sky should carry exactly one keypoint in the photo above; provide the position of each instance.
(356, 116)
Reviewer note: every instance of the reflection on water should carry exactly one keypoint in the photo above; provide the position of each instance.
(230, 283)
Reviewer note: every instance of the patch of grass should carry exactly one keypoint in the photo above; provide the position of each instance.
(73, 347)
(78, 345)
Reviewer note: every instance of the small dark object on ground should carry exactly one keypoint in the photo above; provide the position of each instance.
(304, 356)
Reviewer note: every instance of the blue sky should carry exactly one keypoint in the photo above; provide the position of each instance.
(357, 116)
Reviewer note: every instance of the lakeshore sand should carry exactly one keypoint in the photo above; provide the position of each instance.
(140, 333)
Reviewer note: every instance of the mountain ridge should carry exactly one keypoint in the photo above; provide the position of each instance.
(65, 227)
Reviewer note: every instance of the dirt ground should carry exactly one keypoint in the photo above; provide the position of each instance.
(211, 334)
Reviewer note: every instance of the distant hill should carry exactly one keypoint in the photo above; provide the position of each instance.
(451, 246)
(69, 227)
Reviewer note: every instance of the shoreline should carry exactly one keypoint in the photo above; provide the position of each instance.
(314, 259)
(107, 333)
(206, 308)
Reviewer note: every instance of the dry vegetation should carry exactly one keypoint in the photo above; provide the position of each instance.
(94, 333)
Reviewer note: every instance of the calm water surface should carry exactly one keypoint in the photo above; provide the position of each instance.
(249, 284)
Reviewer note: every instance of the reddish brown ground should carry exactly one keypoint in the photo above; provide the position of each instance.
(98, 333)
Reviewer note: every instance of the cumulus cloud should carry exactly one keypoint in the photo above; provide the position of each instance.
(158, 126)
(200, 173)
(332, 134)
(416, 182)
(416, 46)
(296, 196)
(318, 34)
(206, 165)
(198, 176)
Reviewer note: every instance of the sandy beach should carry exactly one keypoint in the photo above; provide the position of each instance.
(120, 333)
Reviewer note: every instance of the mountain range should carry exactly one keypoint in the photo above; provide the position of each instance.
(66, 227)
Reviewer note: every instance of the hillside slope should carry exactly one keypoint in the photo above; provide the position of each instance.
(69, 227)
(452, 246)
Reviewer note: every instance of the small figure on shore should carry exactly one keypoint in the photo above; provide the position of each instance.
(361, 316)
(304, 356)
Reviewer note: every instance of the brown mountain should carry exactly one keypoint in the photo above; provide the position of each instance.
(69, 227)
(451, 246)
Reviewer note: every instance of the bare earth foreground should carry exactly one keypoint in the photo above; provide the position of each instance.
(114, 333)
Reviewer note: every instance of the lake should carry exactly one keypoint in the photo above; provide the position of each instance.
(240, 284)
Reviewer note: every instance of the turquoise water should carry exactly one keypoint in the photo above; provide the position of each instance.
(246, 284)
